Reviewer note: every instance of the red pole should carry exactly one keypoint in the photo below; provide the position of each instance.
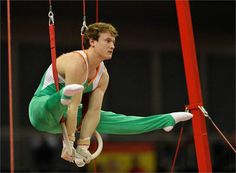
(10, 88)
(97, 11)
(193, 85)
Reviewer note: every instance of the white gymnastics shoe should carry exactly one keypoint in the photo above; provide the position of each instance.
(68, 91)
(178, 117)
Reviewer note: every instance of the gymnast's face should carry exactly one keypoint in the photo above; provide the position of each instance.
(105, 45)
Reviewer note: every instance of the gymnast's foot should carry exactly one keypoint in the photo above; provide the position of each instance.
(68, 91)
(178, 117)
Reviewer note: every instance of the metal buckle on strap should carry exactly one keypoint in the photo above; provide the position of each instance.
(51, 17)
(84, 26)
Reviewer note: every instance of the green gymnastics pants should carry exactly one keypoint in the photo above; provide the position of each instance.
(45, 113)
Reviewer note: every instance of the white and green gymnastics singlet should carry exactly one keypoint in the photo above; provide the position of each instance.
(46, 110)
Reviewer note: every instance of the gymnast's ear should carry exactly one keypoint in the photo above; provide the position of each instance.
(92, 42)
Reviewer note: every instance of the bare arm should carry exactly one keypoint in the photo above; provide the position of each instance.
(92, 116)
(74, 70)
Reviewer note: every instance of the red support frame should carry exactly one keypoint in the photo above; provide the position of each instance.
(193, 85)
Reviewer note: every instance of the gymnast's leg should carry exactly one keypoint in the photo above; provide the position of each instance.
(45, 112)
(112, 123)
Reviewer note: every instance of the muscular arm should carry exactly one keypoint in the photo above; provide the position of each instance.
(92, 116)
(72, 67)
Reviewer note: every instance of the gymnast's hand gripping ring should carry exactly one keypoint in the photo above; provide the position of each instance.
(96, 134)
